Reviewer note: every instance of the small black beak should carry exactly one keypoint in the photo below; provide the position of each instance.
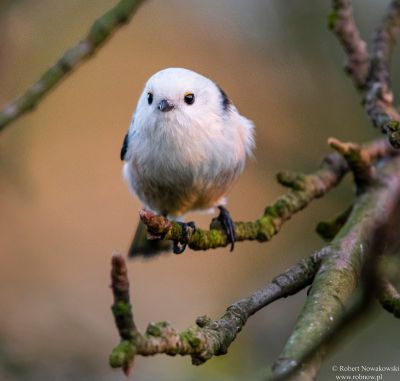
(164, 105)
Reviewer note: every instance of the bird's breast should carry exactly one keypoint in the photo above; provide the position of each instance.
(174, 174)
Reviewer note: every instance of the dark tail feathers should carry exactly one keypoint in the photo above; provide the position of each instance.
(145, 248)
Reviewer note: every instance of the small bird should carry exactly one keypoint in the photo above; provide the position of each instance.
(186, 146)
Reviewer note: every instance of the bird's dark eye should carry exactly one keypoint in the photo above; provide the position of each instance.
(150, 98)
(189, 98)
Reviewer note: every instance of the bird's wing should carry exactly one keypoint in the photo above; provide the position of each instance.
(124, 147)
(125, 144)
(225, 101)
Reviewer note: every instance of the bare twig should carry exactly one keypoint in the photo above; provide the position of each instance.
(209, 337)
(342, 23)
(329, 229)
(304, 189)
(389, 297)
(359, 161)
(101, 30)
(121, 307)
(379, 97)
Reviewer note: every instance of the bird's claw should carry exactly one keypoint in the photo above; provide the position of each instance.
(226, 220)
(180, 245)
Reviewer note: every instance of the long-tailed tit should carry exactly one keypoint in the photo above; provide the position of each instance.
(186, 145)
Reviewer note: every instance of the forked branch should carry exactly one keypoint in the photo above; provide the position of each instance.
(207, 338)
(374, 83)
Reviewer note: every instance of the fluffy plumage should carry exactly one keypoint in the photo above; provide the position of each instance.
(184, 157)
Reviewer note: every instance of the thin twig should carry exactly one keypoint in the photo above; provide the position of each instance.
(358, 159)
(99, 33)
(328, 230)
(341, 21)
(121, 307)
(379, 97)
(389, 297)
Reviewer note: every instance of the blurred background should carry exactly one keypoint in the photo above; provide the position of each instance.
(65, 207)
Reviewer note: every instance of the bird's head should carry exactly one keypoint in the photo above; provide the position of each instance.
(180, 97)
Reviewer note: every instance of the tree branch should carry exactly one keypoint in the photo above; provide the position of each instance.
(341, 266)
(327, 230)
(99, 33)
(358, 160)
(339, 274)
(389, 297)
(379, 97)
(304, 189)
(208, 337)
(122, 309)
(341, 22)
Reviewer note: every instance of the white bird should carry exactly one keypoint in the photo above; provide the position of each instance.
(186, 145)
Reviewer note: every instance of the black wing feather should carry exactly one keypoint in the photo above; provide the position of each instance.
(124, 147)
(225, 101)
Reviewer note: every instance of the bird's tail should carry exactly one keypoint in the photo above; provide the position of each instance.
(143, 247)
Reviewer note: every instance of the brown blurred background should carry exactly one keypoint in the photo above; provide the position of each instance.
(65, 208)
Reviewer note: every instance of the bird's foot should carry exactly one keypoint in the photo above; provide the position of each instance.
(227, 223)
(180, 245)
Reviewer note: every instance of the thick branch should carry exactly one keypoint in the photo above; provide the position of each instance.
(304, 189)
(342, 23)
(379, 96)
(339, 274)
(101, 30)
(210, 337)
